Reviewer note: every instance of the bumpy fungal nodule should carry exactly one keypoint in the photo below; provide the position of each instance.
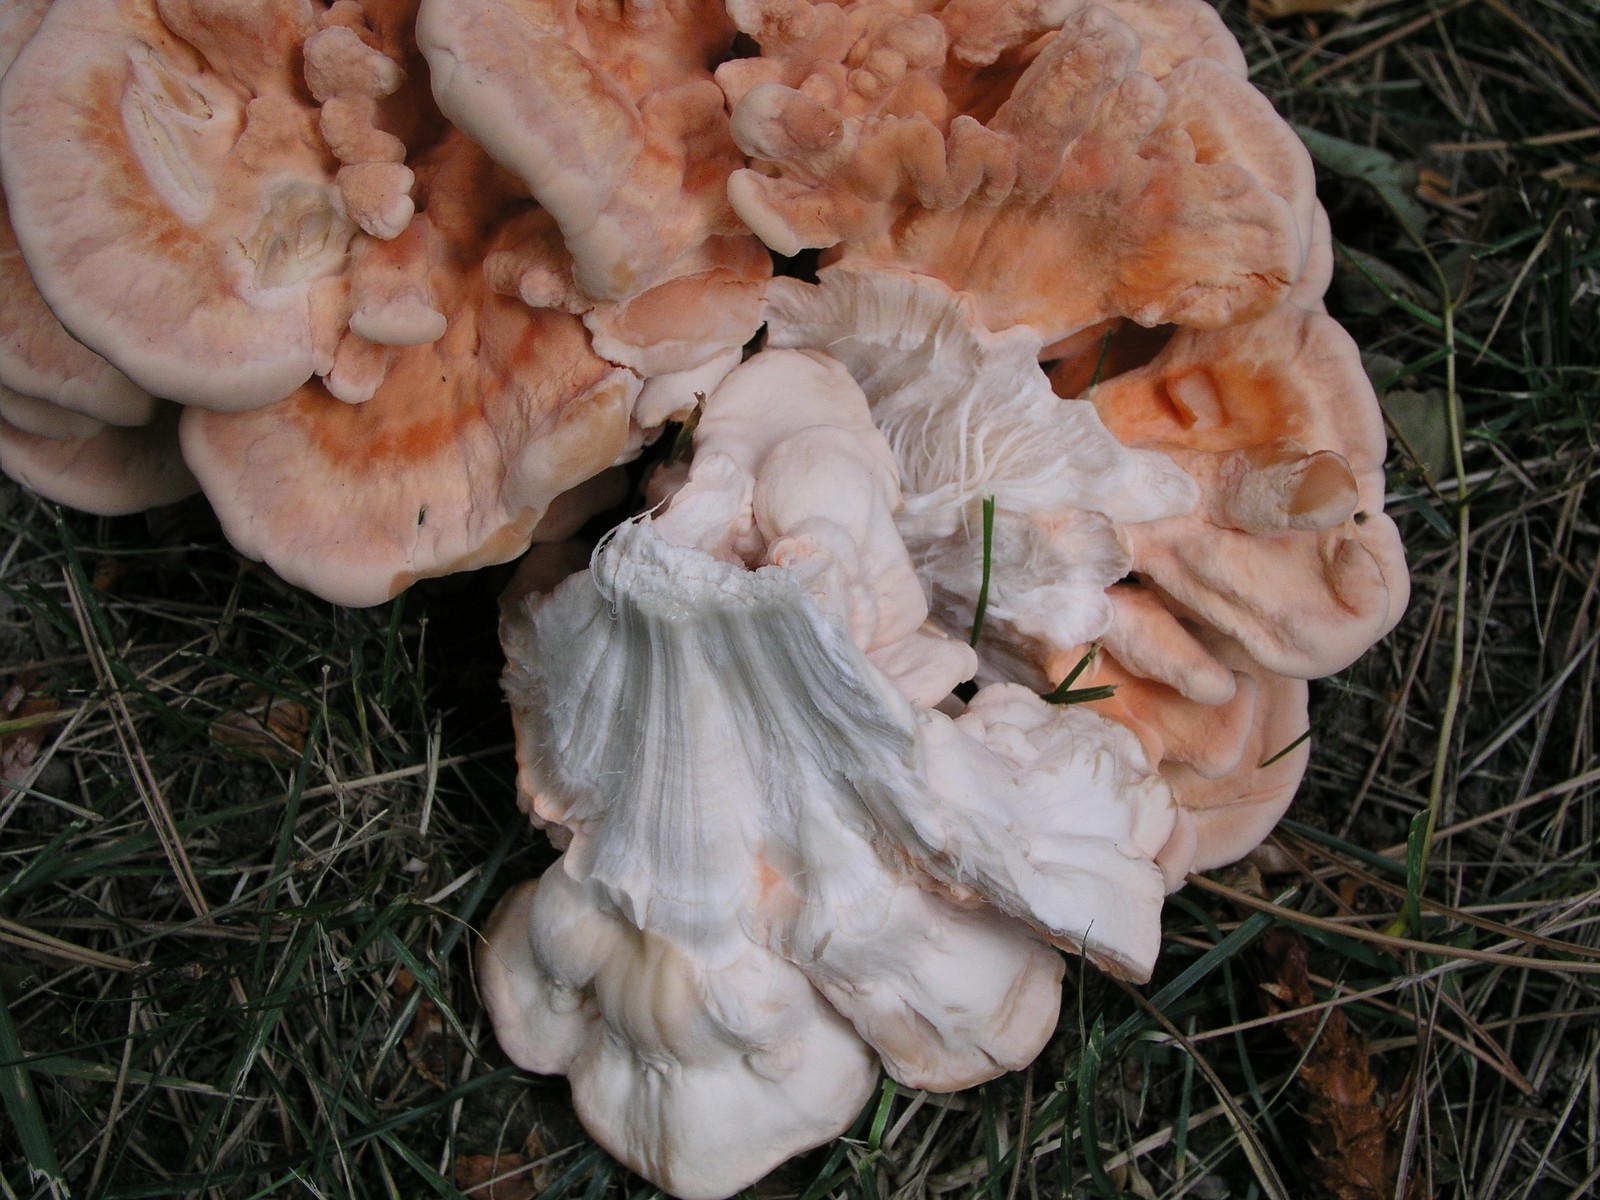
(405, 285)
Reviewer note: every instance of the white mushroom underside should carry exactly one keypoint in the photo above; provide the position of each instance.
(750, 802)
(970, 416)
(738, 777)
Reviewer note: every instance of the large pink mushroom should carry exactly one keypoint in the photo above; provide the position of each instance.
(428, 275)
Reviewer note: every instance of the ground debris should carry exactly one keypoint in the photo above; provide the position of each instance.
(25, 714)
(265, 726)
(1354, 1155)
(505, 1176)
(426, 1046)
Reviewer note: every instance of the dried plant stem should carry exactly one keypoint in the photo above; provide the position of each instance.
(1398, 944)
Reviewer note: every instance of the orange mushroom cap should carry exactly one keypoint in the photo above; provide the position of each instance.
(1233, 766)
(1070, 189)
(459, 444)
(39, 358)
(111, 473)
(611, 120)
(44, 419)
(710, 305)
(1173, 32)
(1289, 551)
(175, 198)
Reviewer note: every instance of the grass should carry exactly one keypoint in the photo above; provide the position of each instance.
(248, 835)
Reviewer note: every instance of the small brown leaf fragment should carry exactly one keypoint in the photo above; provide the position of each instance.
(500, 1177)
(1245, 877)
(106, 573)
(1435, 188)
(24, 716)
(426, 1047)
(1354, 1155)
(267, 726)
(506, 1176)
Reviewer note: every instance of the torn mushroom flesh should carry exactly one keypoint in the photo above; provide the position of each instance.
(789, 806)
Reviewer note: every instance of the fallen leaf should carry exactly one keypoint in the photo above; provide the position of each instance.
(1393, 180)
(426, 1047)
(1434, 187)
(506, 1176)
(1422, 421)
(106, 573)
(499, 1177)
(267, 726)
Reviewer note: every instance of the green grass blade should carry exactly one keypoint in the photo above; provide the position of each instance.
(988, 561)
(1087, 1078)
(22, 1107)
(1416, 867)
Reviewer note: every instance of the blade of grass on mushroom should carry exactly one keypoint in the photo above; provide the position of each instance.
(982, 606)
(1287, 750)
(1065, 693)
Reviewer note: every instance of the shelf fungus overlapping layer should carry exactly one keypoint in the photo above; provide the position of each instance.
(610, 117)
(1025, 153)
(173, 196)
(72, 425)
(379, 334)
(516, 409)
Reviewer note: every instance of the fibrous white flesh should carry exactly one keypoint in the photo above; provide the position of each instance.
(754, 724)
(1051, 814)
(763, 757)
(969, 415)
(747, 794)
(714, 812)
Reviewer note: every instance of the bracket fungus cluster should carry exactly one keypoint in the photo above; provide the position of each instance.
(401, 284)
(400, 317)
